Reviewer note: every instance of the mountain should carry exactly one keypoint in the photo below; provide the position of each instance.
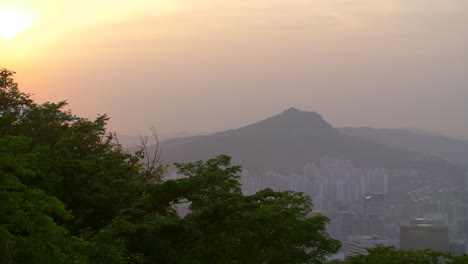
(453, 150)
(286, 142)
(422, 132)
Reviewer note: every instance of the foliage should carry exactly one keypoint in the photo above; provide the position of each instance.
(12, 101)
(70, 193)
(223, 225)
(28, 232)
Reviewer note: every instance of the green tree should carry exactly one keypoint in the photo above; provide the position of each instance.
(72, 194)
(12, 101)
(224, 226)
(72, 163)
(28, 232)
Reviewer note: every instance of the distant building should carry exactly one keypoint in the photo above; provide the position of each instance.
(458, 220)
(348, 225)
(466, 179)
(374, 204)
(358, 245)
(338, 180)
(424, 234)
(457, 247)
(372, 225)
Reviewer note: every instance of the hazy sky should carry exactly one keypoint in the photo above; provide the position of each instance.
(208, 65)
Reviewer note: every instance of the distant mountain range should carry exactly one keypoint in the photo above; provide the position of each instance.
(453, 150)
(285, 142)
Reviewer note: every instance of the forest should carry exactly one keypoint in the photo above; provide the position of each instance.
(70, 193)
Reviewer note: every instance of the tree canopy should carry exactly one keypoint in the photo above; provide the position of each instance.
(71, 194)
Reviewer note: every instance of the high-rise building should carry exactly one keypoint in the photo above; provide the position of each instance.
(374, 204)
(465, 193)
(424, 234)
(348, 224)
(372, 225)
(466, 179)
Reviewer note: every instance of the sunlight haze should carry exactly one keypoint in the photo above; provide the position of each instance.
(209, 65)
(12, 23)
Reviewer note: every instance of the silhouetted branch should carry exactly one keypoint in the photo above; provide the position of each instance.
(153, 160)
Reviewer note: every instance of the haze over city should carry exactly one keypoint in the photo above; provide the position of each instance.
(260, 131)
(211, 65)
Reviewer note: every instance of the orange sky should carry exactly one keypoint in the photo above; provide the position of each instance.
(205, 65)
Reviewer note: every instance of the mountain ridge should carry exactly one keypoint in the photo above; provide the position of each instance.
(451, 149)
(284, 143)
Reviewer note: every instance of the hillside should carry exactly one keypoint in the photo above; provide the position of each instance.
(285, 142)
(453, 150)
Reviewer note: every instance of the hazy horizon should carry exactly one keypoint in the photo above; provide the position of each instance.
(211, 65)
(165, 135)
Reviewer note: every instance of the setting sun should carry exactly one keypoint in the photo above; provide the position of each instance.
(12, 23)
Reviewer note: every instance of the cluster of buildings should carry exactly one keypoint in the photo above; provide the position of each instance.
(364, 225)
(448, 207)
(419, 234)
(353, 198)
(334, 179)
(369, 206)
(422, 233)
(338, 180)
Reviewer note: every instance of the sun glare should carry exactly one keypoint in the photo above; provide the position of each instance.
(12, 23)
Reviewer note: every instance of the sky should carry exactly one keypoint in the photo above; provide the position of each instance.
(210, 65)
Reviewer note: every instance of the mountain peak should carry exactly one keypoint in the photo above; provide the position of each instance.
(292, 110)
(285, 142)
(295, 111)
(293, 117)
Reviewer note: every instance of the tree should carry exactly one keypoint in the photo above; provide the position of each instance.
(28, 232)
(76, 178)
(12, 101)
(223, 226)
(69, 193)
(108, 206)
